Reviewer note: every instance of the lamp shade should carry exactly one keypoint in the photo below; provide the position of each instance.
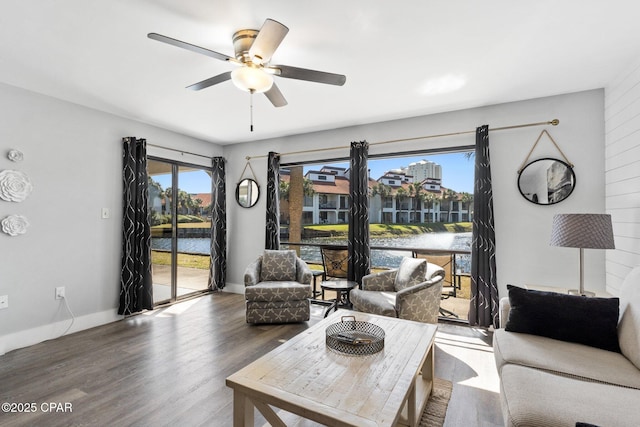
(251, 79)
(592, 231)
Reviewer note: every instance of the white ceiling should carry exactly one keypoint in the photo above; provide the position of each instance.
(401, 58)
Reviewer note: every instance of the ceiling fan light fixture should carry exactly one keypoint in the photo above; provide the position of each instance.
(251, 79)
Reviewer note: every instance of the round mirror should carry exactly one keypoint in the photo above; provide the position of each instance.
(247, 193)
(546, 181)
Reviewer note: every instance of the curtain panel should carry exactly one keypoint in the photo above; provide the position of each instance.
(136, 290)
(218, 268)
(483, 310)
(359, 251)
(272, 235)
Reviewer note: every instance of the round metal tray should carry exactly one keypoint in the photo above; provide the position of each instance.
(355, 337)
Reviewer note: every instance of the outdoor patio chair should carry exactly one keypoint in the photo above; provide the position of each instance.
(410, 292)
(335, 262)
(449, 287)
(278, 288)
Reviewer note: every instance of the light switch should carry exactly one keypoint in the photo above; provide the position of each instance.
(106, 213)
(4, 301)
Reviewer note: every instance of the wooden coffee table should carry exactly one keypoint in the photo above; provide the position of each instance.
(305, 377)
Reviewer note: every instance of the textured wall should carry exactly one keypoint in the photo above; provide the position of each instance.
(622, 173)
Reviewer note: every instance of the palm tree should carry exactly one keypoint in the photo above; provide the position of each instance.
(467, 199)
(429, 199)
(283, 190)
(449, 196)
(307, 187)
(415, 191)
(384, 191)
(401, 194)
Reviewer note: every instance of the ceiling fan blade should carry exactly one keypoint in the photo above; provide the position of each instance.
(191, 47)
(275, 96)
(309, 75)
(268, 39)
(211, 81)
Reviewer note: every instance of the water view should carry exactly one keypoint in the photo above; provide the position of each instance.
(379, 258)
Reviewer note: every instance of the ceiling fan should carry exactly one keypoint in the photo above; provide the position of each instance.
(253, 51)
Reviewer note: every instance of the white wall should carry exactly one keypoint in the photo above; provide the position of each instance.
(622, 175)
(522, 228)
(73, 157)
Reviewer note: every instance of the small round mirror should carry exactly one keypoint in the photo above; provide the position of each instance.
(247, 193)
(546, 181)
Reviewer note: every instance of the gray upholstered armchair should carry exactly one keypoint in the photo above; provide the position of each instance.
(410, 292)
(278, 288)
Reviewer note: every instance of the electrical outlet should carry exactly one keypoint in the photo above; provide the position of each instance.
(4, 301)
(60, 292)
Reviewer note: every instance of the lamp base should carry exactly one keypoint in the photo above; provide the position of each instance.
(583, 293)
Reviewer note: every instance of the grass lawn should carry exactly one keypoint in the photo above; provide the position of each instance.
(184, 260)
(185, 225)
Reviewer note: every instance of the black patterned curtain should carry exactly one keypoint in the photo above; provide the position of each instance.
(218, 269)
(359, 252)
(483, 309)
(272, 236)
(136, 290)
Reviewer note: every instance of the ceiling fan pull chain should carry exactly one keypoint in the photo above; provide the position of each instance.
(251, 108)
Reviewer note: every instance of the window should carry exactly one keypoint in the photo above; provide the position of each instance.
(400, 210)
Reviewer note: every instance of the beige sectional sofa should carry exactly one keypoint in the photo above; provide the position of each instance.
(548, 382)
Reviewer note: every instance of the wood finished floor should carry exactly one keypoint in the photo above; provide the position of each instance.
(168, 368)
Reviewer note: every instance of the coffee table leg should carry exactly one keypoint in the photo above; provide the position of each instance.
(411, 405)
(242, 410)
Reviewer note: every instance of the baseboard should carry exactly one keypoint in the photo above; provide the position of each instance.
(234, 288)
(39, 334)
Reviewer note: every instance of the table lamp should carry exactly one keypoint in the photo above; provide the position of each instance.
(593, 231)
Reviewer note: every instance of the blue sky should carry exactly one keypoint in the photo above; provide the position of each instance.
(192, 182)
(457, 172)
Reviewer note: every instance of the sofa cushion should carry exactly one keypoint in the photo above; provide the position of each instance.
(412, 271)
(583, 320)
(277, 291)
(382, 303)
(531, 397)
(565, 358)
(629, 326)
(278, 265)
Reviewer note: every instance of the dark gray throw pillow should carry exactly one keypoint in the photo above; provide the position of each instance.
(573, 318)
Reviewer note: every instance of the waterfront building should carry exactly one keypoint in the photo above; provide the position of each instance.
(393, 199)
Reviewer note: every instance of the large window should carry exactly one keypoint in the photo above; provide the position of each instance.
(418, 202)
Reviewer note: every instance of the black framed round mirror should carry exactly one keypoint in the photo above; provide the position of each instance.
(247, 193)
(546, 181)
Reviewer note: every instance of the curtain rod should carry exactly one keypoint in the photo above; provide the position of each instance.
(179, 151)
(553, 122)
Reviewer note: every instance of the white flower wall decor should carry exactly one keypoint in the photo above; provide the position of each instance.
(14, 225)
(14, 186)
(15, 155)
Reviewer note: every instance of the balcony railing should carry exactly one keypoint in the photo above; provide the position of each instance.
(327, 205)
(455, 303)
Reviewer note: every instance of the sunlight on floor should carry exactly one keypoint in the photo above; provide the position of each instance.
(468, 349)
(173, 310)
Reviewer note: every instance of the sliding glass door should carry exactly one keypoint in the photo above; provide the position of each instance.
(180, 204)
